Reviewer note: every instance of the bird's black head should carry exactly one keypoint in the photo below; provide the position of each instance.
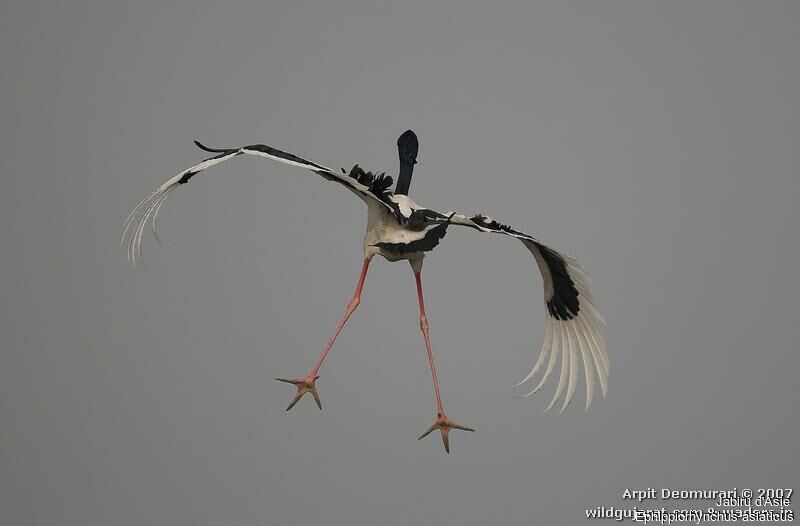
(407, 148)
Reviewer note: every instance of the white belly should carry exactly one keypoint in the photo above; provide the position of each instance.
(382, 227)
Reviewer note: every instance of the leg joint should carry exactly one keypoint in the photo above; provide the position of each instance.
(353, 303)
(423, 323)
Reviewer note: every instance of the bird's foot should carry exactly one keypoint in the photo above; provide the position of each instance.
(304, 385)
(444, 425)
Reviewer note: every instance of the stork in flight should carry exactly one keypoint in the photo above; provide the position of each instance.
(400, 229)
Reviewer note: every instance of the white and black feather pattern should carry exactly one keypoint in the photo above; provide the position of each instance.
(573, 323)
(419, 234)
(371, 188)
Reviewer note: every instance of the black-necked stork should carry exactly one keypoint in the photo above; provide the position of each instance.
(400, 229)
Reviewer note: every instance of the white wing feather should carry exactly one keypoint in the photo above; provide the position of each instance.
(149, 207)
(567, 337)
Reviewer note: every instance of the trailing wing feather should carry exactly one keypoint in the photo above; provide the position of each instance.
(573, 325)
(371, 188)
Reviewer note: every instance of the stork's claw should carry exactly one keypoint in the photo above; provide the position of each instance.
(444, 425)
(304, 385)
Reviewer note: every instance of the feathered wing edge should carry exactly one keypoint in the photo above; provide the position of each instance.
(573, 331)
(577, 338)
(371, 188)
(135, 223)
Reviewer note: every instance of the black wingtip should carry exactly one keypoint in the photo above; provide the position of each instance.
(211, 150)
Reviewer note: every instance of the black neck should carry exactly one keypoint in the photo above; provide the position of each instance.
(404, 179)
(407, 148)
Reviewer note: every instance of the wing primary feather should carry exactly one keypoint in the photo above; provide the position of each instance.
(551, 363)
(547, 337)
(595, 313)
(137, 249)
(129, 220)
(150, 211)
(564, 367)
(602, 370)
(598, 340)
(574, 322)
(577, 269)
(154, 224)
(155, 216)
(134, 233)
(580, 284)
(374, 194)
(133, 245)
(573, 368)
(595, 355)
(588, 366)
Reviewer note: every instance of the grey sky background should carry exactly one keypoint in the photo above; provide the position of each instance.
(657, 142)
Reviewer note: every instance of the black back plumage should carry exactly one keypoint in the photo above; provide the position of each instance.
(378, 184)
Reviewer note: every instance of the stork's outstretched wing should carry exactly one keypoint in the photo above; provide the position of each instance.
(371, 188)
(573, 322)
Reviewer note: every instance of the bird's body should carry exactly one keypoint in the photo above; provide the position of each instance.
(383, 227)
(396, 236)
(400, 229)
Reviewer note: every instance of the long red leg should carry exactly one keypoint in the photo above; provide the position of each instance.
(308, 384)
(351, 307)
(442, 423)
(423, 324)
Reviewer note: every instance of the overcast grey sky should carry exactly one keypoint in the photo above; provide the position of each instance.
(657, 142)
